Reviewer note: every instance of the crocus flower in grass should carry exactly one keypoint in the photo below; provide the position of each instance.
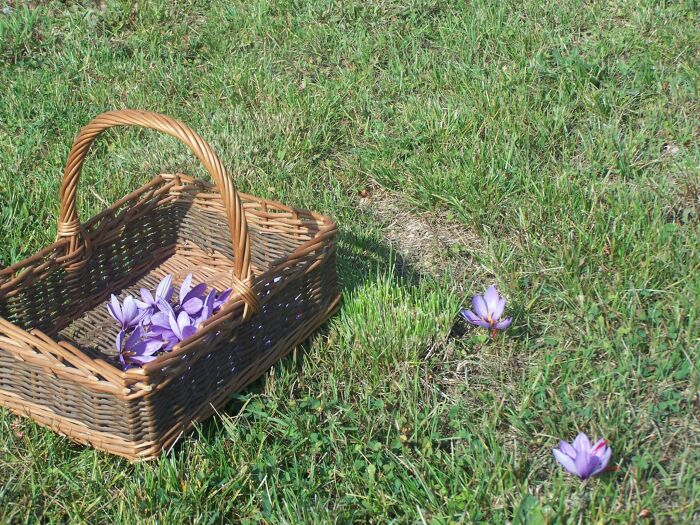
(149, 303)
(582, 459)
(126, 314)
(488, 309)
(192, 299)
(133, 350)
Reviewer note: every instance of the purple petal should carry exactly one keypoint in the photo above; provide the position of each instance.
(208, 308)
(480, 306)
(567, 449)
(221, 298)
(185, 287)
(565, 461)
(581, 443)
(491, 298)
(165, 290)
(498, 311)
(193, 306)
(183, 321)
(599, 448)
(162, 331)
(197, 291)
(119, 341)
(160, 320)
(474, 319)
(115, 309)
(129, 310)
(175, 327)
(164, 307)
(140, 359)
(188, 331)
(142, 306)
(504, 324)
(133, 338)
(147, 297)
(586, 464)
(604, 460)
(153, 345)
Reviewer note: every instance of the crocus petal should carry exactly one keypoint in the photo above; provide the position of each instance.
(567, 449)
(166, 334)
(197, 291)
(586, 464)
(221, 298)
(133, 338)
(208, 308)
(491, 298)
(504, 324)
(598, 448)
(153, 345)
(193, 306)
(115, 309)
(119, 341)
(498, 311)
(142, 306)
(185, 287)
(129, 310)
(165, 290)
(188, 331)
(164, 307)
(565, 461)
(140, 359)
(175, 327)
(581, 443)
(474, 319)
(160, 320)
(183, 321)
(604, 460)
(147, 297)
(480, 306)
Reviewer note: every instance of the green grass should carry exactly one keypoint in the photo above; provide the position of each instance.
(564, 134)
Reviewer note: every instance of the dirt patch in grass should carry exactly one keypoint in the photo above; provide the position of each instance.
(432, 243)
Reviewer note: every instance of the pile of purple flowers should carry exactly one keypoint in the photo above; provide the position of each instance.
(157, 322)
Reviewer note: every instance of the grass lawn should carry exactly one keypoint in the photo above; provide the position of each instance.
(556, 146)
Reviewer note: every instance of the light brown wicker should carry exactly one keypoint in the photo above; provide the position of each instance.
(57, 355)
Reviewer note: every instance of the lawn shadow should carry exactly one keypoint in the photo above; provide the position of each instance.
(360, 258)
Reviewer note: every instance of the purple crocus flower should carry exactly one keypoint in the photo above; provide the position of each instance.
(192, 299)
(149, 303)
(126, 314)
(582, 459)
(134, 350)
(171, 328)
(488, 309)
(182, 327)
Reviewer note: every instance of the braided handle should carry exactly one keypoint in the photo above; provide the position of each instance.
(69, 223)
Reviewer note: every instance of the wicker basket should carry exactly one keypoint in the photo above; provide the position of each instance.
(57, 355)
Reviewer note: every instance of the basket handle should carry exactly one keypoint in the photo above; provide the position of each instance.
(69, 222)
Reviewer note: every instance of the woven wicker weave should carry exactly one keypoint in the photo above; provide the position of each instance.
(57, 355)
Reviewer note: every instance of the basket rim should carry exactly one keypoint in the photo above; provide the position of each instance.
(137, 375)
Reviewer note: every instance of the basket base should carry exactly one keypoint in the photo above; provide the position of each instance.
(94, 331)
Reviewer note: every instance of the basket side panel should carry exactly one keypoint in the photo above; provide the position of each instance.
(71, 407)
(122, 251)
(238, 358)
